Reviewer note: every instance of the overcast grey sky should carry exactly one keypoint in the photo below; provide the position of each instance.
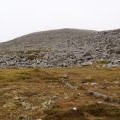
(19, 17)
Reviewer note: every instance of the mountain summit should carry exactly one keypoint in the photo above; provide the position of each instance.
(63, 47)
(44, 39)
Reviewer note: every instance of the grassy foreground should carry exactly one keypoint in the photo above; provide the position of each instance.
(59, 94)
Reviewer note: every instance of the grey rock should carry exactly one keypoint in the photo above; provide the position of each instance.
(62, 48)
(104, 97)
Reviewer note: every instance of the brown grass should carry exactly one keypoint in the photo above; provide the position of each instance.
(36, 87)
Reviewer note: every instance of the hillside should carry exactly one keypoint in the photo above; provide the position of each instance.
(62, 48)
(61, 92)
(44, 39)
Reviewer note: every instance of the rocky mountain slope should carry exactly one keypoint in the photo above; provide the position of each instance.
(62, 48)
(43, 40)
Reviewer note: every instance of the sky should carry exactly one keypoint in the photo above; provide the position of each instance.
(20, 17)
